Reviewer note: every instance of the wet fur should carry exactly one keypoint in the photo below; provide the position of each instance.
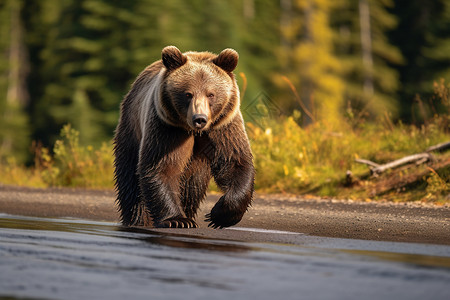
(163, 167)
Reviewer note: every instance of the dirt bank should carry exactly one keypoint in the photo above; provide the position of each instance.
(319, 217)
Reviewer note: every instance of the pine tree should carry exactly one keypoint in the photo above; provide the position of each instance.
(84, 65)
(367, 56)
(309, 60)
(259, 36)
(423, 37)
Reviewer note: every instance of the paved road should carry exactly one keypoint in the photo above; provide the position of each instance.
(412, 222)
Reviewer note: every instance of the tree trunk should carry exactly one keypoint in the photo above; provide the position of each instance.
(307, 91)
(366, 45)
(17, 93)
(248, 9)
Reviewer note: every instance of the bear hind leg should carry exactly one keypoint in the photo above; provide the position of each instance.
(132, 210)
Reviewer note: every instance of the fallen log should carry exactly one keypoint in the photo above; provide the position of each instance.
(399, 183)
(376, 169)
(420, 158)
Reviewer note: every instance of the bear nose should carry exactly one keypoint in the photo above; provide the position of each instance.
(199, 120)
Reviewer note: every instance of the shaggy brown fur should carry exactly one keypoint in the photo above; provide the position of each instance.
(180, 124)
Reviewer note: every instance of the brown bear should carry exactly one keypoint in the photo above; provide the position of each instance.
(179, 125)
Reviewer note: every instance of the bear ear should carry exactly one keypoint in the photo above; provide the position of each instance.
(227, 60)
(172, 58)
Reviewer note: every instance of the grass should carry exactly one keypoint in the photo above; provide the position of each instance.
(68, 164)
(315, 160)
(288, 158)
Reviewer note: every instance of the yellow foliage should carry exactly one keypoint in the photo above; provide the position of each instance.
(15, 174)
(75, 165)
(316, 158)
(314, 69)
(287, 157)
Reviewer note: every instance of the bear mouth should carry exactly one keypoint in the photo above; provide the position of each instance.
(196, 132)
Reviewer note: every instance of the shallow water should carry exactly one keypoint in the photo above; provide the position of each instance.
(44, 258)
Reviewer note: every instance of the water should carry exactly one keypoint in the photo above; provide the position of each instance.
(76, 259)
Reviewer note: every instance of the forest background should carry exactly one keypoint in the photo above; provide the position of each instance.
(319, 78)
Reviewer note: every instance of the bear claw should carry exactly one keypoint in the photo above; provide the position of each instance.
(177, 223)
(211, 222)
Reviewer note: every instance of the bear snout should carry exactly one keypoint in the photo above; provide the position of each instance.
(199, 120)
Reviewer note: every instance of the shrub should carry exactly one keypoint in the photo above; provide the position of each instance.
(74, 165)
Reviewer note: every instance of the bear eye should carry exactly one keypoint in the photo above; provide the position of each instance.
(189, 95)
(210, 95)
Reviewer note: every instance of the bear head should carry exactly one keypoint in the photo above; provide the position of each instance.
(199, 91)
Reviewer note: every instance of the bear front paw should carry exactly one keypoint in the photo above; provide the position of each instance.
(222, 216)
(177, 222)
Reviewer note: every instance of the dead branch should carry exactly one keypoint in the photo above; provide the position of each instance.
(367, 162)
(439, 147)
(377, 169)
(420, 158)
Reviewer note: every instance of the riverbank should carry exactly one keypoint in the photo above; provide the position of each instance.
(380, 221)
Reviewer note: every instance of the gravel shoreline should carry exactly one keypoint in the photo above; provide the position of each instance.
(380, 221)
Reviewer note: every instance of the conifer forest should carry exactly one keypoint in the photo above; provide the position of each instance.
(331, 61)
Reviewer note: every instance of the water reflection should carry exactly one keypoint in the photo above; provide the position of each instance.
(184, 241)
(78, 259)
(413, 259)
